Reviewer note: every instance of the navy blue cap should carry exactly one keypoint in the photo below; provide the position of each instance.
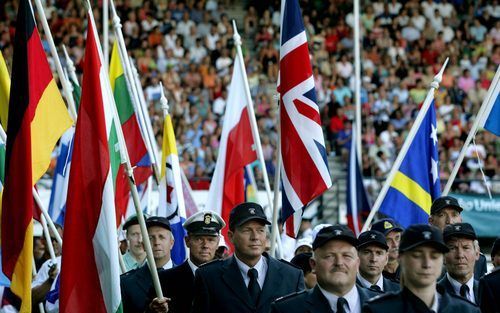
(386, 225)
(301, 260)
(334, 232)
(158, 221)
(422, 234)
(372, 237)
(445, 202)
(460, 230)
(244, 212)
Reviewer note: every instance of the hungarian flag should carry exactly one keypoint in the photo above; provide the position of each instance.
(90, 277)
(37, 118)
(136, 147)
(236, 150)
(171, 204)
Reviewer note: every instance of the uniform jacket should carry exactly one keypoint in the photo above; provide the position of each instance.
(313, 301)
(177, 284)
(489, 292)
(135, 286)
(480, 267)
(389, 285)
(220, 288)
(405, 301)
(448, 287)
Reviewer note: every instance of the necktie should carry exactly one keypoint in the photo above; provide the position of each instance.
(376, 288)
(341, 303)
(464, 291)
(253, 285)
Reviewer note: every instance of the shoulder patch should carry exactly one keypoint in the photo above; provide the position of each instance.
(292, 295)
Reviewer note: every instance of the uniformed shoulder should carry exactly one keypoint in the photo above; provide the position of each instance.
(212, 263)
(461, 303)
(494, 273)
(291, 296)
(129, 273)
(289, 263)
(388, 296)
(457, 299)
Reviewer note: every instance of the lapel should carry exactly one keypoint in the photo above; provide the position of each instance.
(476, 291)
(316, 301)
(272, 281)
(448, 286)
(231, 276)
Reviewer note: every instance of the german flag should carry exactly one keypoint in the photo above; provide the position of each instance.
(37, 118)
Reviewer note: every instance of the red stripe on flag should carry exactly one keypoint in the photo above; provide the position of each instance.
(307, 111)
(290, 74)
(80, 285)
(239, 153)
(306, 180)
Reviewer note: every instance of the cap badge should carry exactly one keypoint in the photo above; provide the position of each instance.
(387, 225)
(251, 211)
(207, 218)
(447, 201)
(338, 232)
(373, 236)
(458, 227)
(427, 234)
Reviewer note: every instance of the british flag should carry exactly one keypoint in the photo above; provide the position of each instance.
(304, 170)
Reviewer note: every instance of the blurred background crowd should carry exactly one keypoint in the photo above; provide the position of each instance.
(188, 46)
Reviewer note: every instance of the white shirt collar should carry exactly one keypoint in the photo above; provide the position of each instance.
(261, 268)
(456, 286)
(352, 298)
(192, 266)
(169, 265)
(435, 305)
(367, 284)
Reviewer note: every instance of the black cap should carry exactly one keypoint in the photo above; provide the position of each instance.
(422, 234)
(386, 225)
(158, 221)
(372, 237)
(132, 220)
(460, 230)
(245, 212)
(445, 202)
(301, 260)
(335, 232)
(496, 247)
(204, 223)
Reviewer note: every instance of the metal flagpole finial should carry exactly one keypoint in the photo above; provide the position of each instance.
(163, 100)
(437, 79)
(69, 62)
(116, 19)
(236, 36)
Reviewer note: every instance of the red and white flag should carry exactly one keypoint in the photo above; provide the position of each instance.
(90, 277)
(236, 150)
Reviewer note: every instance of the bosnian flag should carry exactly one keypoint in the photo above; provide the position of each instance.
(90, 273)
(304, 170)
(171, 203)
(58, 195)
(236, 150)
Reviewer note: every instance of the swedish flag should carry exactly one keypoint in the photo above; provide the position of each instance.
(416, 184)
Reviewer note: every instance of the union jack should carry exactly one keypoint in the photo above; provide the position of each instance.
(304, 170)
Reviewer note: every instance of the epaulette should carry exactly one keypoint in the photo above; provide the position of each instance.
(382, 296)
(289, 263)
(215, 261)
(292, 295)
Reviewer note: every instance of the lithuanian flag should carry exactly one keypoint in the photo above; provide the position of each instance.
(37, 118)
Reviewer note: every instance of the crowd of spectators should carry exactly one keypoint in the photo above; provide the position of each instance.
(188, 46)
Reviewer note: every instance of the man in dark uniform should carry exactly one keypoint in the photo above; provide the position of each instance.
(135, 284)
(373, 257)
(249, 280)
(335, 261)
(459, 262)
(446, 210)
(203, 229)
(392, 232)
(489, 284)
(421, 257)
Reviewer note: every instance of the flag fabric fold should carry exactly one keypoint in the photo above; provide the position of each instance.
(304, 169)
(416, 184)
(90, 276)
(491, 119)
(4, 92)
(37, 117)
(171, 204)
(236, 150)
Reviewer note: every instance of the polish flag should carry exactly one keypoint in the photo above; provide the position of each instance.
(236, 150)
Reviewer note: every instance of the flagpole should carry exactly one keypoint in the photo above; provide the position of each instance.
(125, 160)
(404, 149)
(472, 133)
(134, 91)
(55, 56)
(253, 121)
(33, 271)
(105, 31)
(357, 81)
(275, 230)
(48, 239)
(71, 66)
